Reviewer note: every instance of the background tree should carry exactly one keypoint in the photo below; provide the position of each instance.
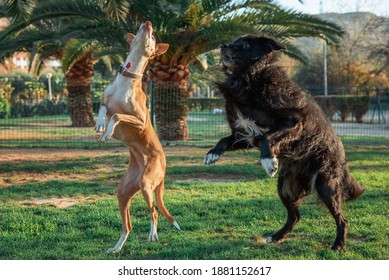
(379, 51)
(361, 59)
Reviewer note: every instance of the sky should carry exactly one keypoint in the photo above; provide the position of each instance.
(378, 7)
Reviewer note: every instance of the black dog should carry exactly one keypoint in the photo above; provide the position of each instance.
(266, 109)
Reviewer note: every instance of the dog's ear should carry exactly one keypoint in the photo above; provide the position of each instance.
(130, 37)
(161, 49)
(274, 45)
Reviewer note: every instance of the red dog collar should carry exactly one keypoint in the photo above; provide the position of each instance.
(126, 73)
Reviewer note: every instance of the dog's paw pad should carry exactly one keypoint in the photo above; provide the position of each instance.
(211, 158)
(270, 165)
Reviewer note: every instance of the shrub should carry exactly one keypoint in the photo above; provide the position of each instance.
(24, 108)
(201, 104)
(358, 105)
(17, 80)
(5, 95)
(328, 104)
(343, 106)
(49, 107)
(98, 86)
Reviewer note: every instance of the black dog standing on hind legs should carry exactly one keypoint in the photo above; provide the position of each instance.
(266, 109)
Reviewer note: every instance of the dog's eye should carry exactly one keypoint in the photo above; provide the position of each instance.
(246, 45)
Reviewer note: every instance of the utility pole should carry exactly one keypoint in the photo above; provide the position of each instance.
(324, 58)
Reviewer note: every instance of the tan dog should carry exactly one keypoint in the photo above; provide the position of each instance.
(124, 104)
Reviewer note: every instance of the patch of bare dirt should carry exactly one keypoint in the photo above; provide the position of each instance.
(359, 239)
(12, 155)
(19, 178)
(260, 239)
(39, 154)
(52, 154)
(55, 201)
(212, 177)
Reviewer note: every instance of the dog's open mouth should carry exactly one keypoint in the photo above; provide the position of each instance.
(230, 61)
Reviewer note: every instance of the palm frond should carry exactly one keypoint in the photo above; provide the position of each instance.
(116, 10)
(75, 50)
(191, 27)
(36, 63)
(55, 9)
(17, 9)
(202, 60)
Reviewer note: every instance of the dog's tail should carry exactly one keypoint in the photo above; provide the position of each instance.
(161, 205)
(352, 188)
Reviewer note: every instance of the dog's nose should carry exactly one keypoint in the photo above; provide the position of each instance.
(148, 23)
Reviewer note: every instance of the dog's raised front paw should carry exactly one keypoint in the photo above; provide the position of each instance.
(100, 126)
(211, 158)
(101, 123)
(106, 136)
(270, 165)
(108, 133)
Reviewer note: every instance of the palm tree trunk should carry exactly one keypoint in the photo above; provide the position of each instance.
(80, 106)
(171, 100)
(79, 93)
(171, 110)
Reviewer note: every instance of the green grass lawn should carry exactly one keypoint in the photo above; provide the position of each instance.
(225, 211)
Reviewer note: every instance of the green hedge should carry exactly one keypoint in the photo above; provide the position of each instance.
(357, 105)
(202, 104)
(5, 96)
(43, 108)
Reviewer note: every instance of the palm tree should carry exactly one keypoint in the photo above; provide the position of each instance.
(191, 27)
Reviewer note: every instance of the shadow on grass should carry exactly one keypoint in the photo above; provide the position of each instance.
(64, 165)
(54, 188)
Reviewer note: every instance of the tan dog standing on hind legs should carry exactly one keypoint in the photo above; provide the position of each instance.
(124, 105)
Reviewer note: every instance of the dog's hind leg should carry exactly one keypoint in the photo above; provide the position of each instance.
(291, 196)
(126, 192)
(148, 195)
(269, 161)
(328, 191)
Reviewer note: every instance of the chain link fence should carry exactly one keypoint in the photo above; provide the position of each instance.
(29, 118)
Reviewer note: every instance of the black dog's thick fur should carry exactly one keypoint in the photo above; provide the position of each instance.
(266, 109)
